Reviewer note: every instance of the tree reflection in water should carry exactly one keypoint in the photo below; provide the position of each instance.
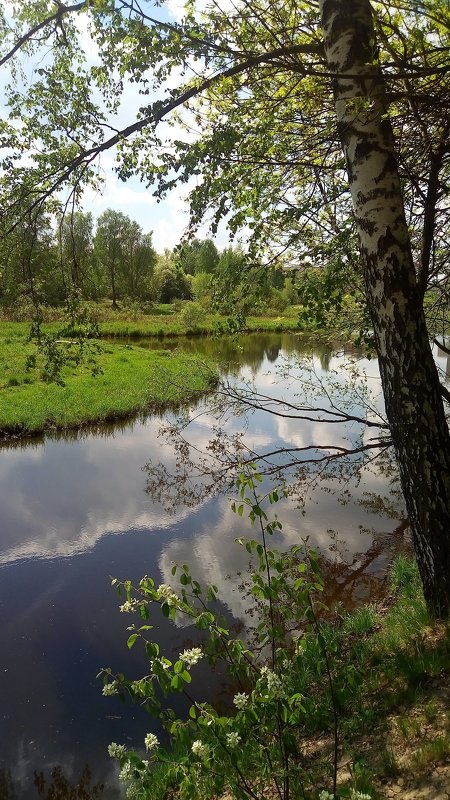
(56, 787)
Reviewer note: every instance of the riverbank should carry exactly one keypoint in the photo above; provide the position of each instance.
(114, 381)
(163, 321)
(391, 673)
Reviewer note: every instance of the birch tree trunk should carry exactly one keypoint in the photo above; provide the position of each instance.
(409, 376)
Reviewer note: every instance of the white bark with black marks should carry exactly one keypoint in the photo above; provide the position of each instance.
(410, 380)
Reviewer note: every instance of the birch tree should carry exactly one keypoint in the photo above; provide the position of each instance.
(316, 120)
(411, 386)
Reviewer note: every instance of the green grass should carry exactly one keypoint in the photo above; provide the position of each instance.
(171, 324)
(131, 380)
(385, 663)
(161, 320)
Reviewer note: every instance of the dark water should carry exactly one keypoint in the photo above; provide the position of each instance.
(75, 511)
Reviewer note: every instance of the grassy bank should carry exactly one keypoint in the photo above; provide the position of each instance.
(163, 320)
(391, 666)
(211, 324)
(128, 380)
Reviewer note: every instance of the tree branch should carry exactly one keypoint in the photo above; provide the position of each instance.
(56, 17)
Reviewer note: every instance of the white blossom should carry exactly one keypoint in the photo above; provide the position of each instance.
(159, 662)
(324, 795)
(240, 700)
(200, 749)
(125, 772)
(129, 606)
(116, 750)
(191, 656)
(151, 741)
(271, 679)
(356, 795)
(166, 593)
(233, 739)
(110, 688)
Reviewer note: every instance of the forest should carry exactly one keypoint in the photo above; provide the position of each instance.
(44, 263)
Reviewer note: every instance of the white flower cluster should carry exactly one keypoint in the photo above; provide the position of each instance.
(125, 772)
(159, 662)
(191, 656)
(116, 750)
(240, 700)
(232, 739)
(200, 749)
(324, 795)
(271, 680)
(151, 741)
(129, 606)
(166, 594)
(110, 688)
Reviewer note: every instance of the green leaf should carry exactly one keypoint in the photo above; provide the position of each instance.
(177, 682)
(131, 640)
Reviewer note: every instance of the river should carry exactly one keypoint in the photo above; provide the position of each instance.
(76, 510)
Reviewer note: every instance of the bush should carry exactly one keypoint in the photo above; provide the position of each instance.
(191, 315)
(254, 748)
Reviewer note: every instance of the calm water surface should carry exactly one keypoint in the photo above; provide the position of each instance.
(75, 511)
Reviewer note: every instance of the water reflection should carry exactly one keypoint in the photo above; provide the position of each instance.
(252, 350)
(75, 511)
(56, 787)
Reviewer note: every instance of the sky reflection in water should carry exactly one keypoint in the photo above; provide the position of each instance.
(75, 512)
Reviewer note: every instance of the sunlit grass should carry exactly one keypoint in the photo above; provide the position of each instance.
(129, 380)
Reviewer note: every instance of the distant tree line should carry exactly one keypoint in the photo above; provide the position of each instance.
(114, 259)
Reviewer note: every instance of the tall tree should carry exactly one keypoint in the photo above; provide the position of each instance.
(76, 239)
(314, 116)
(109, 245)
(139, 260)
(28, 263)
(411, 386)
(198, 256)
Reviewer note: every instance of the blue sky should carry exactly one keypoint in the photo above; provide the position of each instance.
(167, 219)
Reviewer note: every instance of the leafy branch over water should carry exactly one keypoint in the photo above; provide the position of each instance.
(337, 430)
(300, 677)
